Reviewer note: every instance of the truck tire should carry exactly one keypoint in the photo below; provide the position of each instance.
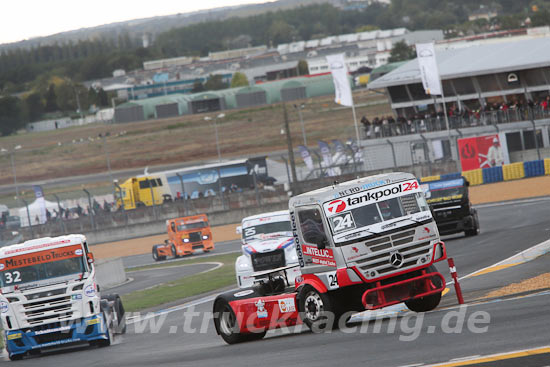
(174, 251)
(156, 255)
(226, 325)
(428, 303)
(316, 310)
(474, 231)
(118, 308)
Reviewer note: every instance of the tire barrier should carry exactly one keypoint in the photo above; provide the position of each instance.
(507, 172)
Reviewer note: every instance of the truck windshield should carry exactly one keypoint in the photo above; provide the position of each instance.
(445, 194)
(185, 227)
(41, 265)
(379, 212)
(274, 229)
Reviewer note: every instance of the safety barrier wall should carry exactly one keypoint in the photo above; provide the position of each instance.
(507, 172)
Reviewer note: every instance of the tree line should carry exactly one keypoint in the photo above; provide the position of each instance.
(28, 73)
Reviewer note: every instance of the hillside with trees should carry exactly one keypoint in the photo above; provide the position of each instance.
(42, 75)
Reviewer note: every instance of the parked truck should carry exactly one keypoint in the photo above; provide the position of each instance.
(185, 236)
(268, 245)
(362, 245)
(451, 206)
(50, 297)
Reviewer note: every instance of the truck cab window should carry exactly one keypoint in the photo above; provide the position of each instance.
(311, 224)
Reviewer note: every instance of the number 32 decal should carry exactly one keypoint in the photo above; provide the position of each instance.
(13, 277)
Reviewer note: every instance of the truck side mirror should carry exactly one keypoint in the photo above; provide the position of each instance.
(317, 238)
(239, 230)
(90, 258)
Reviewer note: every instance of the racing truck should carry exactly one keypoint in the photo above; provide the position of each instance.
(451, 206)
(50, 298)
(364, 244)
(185, 236)
(268, 245)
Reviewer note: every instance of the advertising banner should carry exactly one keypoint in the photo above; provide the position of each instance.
(429, 72)
(306, 157)
(342, 88)
(327, 157)
(483, 151)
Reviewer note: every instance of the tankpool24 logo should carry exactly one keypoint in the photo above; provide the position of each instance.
(336, 206)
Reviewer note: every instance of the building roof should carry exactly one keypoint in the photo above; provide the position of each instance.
(475, 60)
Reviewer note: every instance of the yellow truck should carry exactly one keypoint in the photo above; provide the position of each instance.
(140, 191)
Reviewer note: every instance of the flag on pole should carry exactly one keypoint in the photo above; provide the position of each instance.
(306, 156)
(429, 72)
(327, 157)
(342, 88)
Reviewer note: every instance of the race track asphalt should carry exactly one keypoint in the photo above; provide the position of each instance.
(513, 323)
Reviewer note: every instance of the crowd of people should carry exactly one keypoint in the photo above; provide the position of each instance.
(459, 116)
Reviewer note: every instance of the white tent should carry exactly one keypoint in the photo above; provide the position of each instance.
(35, 212)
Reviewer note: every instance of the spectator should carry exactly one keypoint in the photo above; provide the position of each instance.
(48, 215)
(494, 155)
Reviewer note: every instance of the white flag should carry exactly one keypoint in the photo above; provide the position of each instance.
(428, 68)
(342, 88)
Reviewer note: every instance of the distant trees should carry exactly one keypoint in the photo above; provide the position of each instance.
(239, 80)
(215, 82)
(401, 52)
(10, 115)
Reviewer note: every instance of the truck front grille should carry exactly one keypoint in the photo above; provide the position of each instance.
(268, 260)
(53, 337)
(47, 306)
(195, 237)
(377, 262)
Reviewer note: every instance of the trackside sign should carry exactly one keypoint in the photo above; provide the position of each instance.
(362, 198)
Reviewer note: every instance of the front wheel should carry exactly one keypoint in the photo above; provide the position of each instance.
(475, 226)
(428, 303)
(316, 310)
(227, 325)
(173, 247)
(156, 255)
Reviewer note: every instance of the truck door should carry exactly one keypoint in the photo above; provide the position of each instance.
(316, 246)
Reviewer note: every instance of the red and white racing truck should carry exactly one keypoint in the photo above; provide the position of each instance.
(362, 245)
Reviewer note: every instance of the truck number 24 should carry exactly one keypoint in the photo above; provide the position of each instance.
(407, 186)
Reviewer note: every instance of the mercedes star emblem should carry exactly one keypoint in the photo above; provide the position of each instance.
(396, 260)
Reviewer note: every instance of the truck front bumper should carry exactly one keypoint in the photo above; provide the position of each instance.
(455, 226)
(386, 295)
(55, 335)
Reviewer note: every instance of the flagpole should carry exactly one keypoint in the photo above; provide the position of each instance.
(355, 119)
(444, 108)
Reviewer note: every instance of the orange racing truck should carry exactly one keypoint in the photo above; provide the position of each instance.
(364, 244)
(185, 236)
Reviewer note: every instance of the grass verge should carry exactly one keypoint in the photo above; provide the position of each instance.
(183, 288)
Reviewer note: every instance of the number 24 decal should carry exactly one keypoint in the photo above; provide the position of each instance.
(343, 222)
(407, 186)
(13, 277)
(333, 281)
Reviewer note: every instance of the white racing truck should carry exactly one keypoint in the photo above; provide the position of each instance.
(49, 297)
(364, 244)
(268, 245)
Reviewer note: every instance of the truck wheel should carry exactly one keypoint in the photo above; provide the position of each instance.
(174, 251)
(16, 357)
(226, 325)
(316, 310)
(475, 227)
(428, 303)
(156, 255)
(118, 308)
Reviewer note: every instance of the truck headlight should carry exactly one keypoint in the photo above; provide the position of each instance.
(186, 240)
(205, 237)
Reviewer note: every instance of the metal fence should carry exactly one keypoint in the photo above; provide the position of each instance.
(418, 125)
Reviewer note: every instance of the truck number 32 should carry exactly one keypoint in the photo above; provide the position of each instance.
(13, 277)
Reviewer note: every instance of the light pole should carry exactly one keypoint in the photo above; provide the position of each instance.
(207, 118)
(105, 148)
(12, 160)
(299, 108)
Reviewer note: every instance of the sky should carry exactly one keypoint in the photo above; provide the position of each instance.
(24, 19)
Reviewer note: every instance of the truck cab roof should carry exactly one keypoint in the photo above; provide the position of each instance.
(41, 244)
(277, 216)
(338, 190)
